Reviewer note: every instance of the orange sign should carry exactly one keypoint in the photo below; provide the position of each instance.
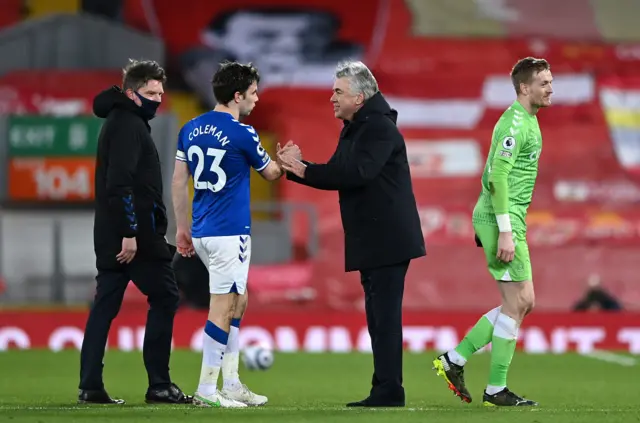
(51, 179)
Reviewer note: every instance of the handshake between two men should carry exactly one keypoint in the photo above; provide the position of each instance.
(289, 158)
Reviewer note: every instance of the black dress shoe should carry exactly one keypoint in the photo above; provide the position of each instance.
(376, 402)
(167, 395)
(96, 396)
(362, 403)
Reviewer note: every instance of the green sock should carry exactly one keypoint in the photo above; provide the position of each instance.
(503, 346)
(478, 336)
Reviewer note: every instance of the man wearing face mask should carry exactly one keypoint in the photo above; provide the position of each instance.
(129, 234)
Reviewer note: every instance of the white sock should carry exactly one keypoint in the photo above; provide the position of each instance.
(493, 314)
(230, 362)
(492, 390)
(505, 327)
(212, 355)
(456, 358)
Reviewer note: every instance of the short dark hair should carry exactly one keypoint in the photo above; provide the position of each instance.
(524, 71)
(138, 72)
(231, 78)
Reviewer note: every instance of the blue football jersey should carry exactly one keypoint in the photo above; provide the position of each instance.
(220, 152)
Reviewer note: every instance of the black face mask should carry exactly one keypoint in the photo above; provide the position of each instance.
(149, 107)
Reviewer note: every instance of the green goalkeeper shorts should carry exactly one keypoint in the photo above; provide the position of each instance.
(519, 270)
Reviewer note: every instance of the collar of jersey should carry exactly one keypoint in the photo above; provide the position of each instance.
(516, 105)
(223, 113)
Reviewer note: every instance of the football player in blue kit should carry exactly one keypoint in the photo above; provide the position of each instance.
(218, 152)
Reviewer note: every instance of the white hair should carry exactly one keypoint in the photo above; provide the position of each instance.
(361, 80)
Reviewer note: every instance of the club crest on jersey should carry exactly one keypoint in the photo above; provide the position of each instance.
(508, 143)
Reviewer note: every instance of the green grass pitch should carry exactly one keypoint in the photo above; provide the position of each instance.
(41, 386)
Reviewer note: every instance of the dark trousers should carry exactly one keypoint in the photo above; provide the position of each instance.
(383, 293)
(156, 280)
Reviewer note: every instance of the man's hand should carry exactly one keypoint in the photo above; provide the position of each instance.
(294, 166)
(184, 243)
(289, 157)
(129, 248)
(506, 247)
(290, 149)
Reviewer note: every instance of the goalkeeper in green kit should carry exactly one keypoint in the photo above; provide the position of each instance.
(499, 221)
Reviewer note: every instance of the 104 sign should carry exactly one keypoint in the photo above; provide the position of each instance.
(51, 179)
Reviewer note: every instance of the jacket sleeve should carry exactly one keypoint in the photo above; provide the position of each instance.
(317, 185)
(123, 155)
(371, 152)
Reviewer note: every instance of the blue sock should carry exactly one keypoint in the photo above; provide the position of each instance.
(216, 333)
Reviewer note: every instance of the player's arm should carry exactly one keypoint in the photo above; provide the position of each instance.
(508, 147)
(271, 171)
(180, 194)
(371, 152)
(258, 158)
(180, 199)
(124, 152)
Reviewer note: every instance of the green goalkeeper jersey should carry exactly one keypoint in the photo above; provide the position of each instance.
(512, 167)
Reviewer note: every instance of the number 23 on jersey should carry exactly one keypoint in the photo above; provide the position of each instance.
(204, 181)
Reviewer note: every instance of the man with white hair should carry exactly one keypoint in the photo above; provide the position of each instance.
(370, 171)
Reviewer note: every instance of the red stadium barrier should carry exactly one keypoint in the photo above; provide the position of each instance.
(328, 332)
